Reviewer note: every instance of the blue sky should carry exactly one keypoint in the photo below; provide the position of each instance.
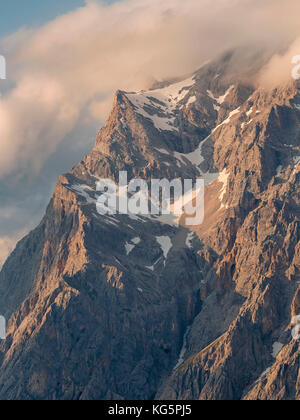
(17, 13)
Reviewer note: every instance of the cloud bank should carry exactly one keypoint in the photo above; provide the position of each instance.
(62, 75)
(67, 70)
(281, 67)
(7, 244)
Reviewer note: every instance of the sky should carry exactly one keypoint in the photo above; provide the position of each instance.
(66, 58)
(32, 13)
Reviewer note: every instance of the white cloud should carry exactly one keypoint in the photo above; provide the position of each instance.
(75, 62)
(280, 67)
(6, 246)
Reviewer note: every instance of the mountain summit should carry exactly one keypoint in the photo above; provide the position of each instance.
(135, 307)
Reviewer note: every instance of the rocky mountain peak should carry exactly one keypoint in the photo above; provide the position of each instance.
(136, 306)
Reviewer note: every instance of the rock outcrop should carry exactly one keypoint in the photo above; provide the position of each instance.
(137, 307)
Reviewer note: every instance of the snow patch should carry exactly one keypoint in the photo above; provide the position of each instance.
(221, 99)
(163, 151)
(263, 375)
(136, 240)
(277, 347)
(195, 157)
(189, 240)
(124, 125)
(167, 219)
(81, 190)
(129, 248)
(191, 100)
(296, 159)
(227, 121)
(165, 244)
(111, 221)
(152, 267)
(132, 244)
(236, 111)
(248, 113)
(164, 102)
(223, 178)
(137, 218)
(183, 350)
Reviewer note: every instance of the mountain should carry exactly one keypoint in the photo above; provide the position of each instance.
(139, 307)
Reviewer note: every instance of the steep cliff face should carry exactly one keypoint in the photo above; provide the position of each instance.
(136, 307)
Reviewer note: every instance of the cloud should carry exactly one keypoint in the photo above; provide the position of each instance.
(73, 64)
(280, 68)
(62, 76)
(6, 246)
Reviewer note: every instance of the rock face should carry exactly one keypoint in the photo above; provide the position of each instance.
(100, 307)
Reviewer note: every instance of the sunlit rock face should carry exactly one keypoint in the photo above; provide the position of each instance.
(126, 307)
